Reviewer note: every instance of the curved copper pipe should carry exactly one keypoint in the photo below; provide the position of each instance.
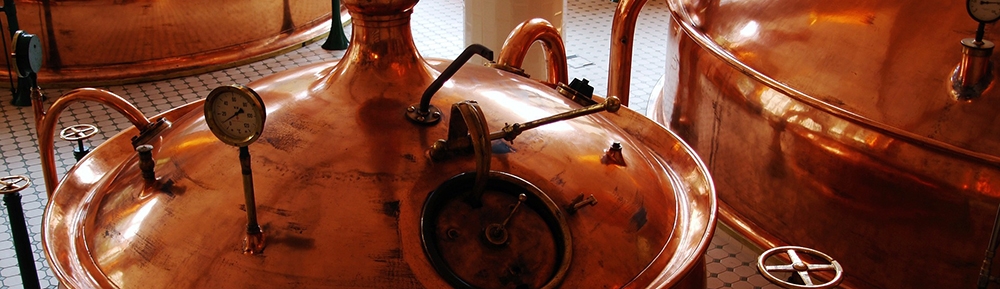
(524, 35)
(45, 123)
(622, 37)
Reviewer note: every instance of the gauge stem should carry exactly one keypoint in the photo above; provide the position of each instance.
(254, 242)
(980, 32)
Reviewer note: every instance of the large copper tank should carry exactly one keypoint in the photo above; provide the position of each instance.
(343, 180)
(118, 41)
(833, 125)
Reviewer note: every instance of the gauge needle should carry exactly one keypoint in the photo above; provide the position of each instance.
(234, 115)
(988, 2)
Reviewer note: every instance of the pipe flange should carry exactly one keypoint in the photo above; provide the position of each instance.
(432, 116)
(508, 68)
(800, 267)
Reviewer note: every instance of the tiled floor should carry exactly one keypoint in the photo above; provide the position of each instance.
(587, 29)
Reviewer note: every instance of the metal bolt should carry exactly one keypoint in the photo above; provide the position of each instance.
(144, 148)
(420, 118)
(146, 163)
(583, 202)
(411, 109)
(436, 114)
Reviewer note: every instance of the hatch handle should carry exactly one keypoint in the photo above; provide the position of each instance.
(467, 130)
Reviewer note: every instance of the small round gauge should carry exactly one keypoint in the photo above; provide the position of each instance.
(984, 10)
(235, 114)
(27, 53)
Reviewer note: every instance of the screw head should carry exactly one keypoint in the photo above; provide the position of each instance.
(144, 148)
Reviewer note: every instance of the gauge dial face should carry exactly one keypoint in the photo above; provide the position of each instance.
(984, 10)
(235, 114)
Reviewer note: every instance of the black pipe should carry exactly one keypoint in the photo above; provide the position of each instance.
(991, 251)
(22, 242)
(337, 39)
(22, 92)
(425, 100)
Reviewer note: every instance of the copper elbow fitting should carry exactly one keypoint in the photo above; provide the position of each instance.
(520, 40)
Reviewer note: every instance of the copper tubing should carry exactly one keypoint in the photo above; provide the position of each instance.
(622, 36)
(45, 124)
(524, 35)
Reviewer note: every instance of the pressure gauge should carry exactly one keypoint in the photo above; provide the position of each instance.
(235, 114)
(27, 53)
(984, 10)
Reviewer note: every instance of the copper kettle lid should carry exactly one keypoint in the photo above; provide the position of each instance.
(351, 193)
(890, 64)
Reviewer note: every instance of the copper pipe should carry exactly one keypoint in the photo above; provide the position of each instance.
(527, 33)
(622, 34)
(46, 123)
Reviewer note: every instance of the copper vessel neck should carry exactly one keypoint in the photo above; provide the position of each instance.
(383, 44)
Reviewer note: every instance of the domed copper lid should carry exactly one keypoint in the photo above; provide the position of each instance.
(352, 193)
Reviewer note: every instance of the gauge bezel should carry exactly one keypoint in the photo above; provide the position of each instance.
(968, 8)
(27, 53)
(256, 106)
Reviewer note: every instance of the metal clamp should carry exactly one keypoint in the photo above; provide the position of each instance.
(13, 184)
(799, 267)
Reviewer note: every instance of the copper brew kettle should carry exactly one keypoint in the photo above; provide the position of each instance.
(863, 129)
(106, 41)
(391, 171)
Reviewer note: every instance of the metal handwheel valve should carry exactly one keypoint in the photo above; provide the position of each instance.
(799, 268)
(10, 187)
(78, 133)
